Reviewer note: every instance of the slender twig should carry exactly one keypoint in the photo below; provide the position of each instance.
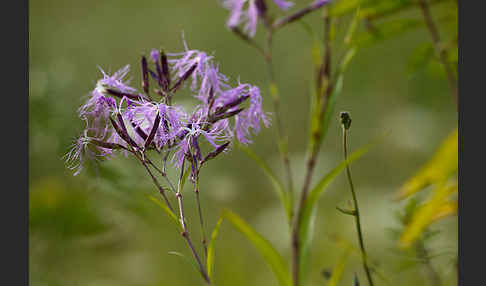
(247, 39)
(185, 232)
(201, 220)
(346, 122)
(162, 173)
(282, 137)
(297, 15)
(267, 53)
(441, 51)
(156, 182)
(324, 76)
(425, 258)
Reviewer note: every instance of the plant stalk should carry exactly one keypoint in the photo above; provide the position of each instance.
(357, 213)
(324, 76)
(441, 51)
(185, 232)
(282, 137)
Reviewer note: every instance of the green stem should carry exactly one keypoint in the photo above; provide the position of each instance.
(282, 137)
(185, 231)
(201, 221)
(357, 213)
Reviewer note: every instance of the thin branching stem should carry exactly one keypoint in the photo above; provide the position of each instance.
(356, 212)
(425, 258)
(201, 219)
(185, 232)
(282, 137)
(440, 50)
(324, 77)
(162, 173)
(156, 182)
(247, 40)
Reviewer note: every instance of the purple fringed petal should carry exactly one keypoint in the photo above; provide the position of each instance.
(236, 8)
(116, 80)
(251, 19)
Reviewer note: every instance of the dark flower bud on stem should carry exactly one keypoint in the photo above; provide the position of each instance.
(120, 94)
(139, 131)
(345, 119)
(220, 116)
(151, 136)
(145, 80)
(261, 8)
(231, 104)
(165, 71)
(121, 130)
(215, 153)
(107, 145)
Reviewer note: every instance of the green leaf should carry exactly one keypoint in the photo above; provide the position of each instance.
(340, 8)
(420, 57)
(352, 27)
(210, 258)
(386, 8)
(190, 261)
(337, 271)
(345, 244)
(165, 209)
(316, 44)
(338, 87)
(184, 177)
(277, 185)
(310, 207)
(386, 30)
(271, 256)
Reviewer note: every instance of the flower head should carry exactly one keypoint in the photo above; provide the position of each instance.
(249, 16)
(119, 118)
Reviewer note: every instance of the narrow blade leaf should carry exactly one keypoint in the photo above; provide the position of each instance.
(210, 258)
(310, 207)
(166, 209)
(271, 256)
(277, 185)
(337, 271)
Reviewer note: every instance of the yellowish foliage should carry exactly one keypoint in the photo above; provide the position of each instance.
(435, 208)
(437, 170)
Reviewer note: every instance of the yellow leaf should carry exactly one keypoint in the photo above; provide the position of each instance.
(447, 209)
(427, 213)
(437, 170)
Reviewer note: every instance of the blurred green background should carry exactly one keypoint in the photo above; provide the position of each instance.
(99, 228)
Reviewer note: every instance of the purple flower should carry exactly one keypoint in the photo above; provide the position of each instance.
(155, 54)
(82, 152)
(251, 117)
(236, 8)
(251, 19)
(118, 118)
(284, 5)
(206, 75)
(116, 80)
(249, 16)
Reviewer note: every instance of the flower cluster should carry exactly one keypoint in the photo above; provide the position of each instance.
(118, 117)
(249, 16)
